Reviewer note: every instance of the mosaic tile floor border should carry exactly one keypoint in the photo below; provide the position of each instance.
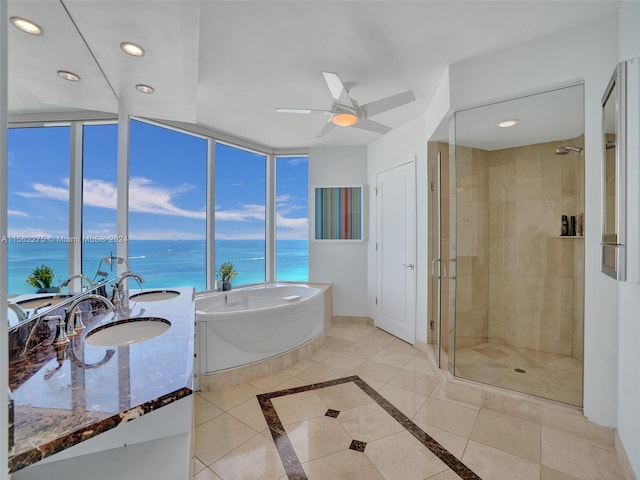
(289, 458)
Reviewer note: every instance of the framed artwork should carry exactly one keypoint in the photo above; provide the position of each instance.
(338, 213)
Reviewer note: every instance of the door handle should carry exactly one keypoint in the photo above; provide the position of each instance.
(453, 268)
(442, 269)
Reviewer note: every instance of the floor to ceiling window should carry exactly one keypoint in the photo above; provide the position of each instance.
(99, 171)
(292, 218)
(240, 218)
(38, 203)
(167, 206)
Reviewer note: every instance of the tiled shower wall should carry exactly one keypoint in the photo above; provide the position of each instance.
(518, 282)
(472, 269)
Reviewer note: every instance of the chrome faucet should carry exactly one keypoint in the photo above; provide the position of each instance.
(89, 296)
(19, 311)
(119, 295)
(82, 277)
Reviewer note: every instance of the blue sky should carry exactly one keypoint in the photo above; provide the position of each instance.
(167, 185)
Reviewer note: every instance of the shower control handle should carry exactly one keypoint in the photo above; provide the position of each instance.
(408, 267)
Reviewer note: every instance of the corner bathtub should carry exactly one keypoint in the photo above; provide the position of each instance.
(247, 325)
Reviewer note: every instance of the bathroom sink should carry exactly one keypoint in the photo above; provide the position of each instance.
(39, 302)
(154, 296)
(127, 331)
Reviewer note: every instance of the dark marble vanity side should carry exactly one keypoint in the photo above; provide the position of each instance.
(68, 394)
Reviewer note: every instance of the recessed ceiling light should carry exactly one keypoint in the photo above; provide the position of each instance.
(26, 26)
(72, 77)
(132, 49)
(508, 123)
(145, 88)
(345, 119)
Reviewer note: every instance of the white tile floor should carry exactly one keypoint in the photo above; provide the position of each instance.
(233, 441)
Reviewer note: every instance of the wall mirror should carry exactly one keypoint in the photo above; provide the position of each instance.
(38, 95)
(613, 174)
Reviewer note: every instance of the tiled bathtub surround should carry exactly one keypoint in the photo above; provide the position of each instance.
(233, 440)
(263, 368)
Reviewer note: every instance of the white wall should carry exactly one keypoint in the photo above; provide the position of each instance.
(629, 300)
(342, 263)
(586, 54)
(404, 144)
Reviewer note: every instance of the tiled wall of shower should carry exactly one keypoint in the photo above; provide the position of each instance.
(518, 282)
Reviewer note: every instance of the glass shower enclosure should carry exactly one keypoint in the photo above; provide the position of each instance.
(507, 244)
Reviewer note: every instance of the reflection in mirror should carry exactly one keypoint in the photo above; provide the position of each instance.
(35, 86)
(27, 306)
(39, 157)
(613, 172)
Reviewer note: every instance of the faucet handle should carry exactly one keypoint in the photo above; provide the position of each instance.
(61, 337)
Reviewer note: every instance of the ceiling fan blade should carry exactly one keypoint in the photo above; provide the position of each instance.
(301, 110)
(326, 129)
(367, 124)
(378, 106)
(336, 87)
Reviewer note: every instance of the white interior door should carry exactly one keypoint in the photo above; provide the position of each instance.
(395, 243)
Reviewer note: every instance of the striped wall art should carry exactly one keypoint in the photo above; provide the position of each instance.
(338, 213)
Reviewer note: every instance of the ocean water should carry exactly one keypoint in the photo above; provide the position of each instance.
(162, 263)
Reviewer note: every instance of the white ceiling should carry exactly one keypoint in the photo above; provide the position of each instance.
(228, 65)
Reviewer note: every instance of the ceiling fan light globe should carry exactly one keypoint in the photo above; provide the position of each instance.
(344, 119)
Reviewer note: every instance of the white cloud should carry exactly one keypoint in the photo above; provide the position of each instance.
(41, 190)
(166, 235)
(99, 193)
(292, 227)
(144, 196)
(298, 160)
(255, 235)
(283, 198)
(18, 213)
(244, 213)
(31, 233)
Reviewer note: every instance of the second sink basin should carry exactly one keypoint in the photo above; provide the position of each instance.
(154, 295)
(127, 331)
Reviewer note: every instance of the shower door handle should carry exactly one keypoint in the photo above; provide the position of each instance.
(454, 268)
(442, 269)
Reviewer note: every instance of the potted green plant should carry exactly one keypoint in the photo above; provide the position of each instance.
(41, 278)
(226, 272)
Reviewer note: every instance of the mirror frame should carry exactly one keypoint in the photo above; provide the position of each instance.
(613, 261)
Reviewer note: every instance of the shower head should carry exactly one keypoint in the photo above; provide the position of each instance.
(565, 150)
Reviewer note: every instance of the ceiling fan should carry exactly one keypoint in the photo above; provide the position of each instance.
(345, 111)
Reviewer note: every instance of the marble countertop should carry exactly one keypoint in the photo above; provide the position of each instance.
(66, 395)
